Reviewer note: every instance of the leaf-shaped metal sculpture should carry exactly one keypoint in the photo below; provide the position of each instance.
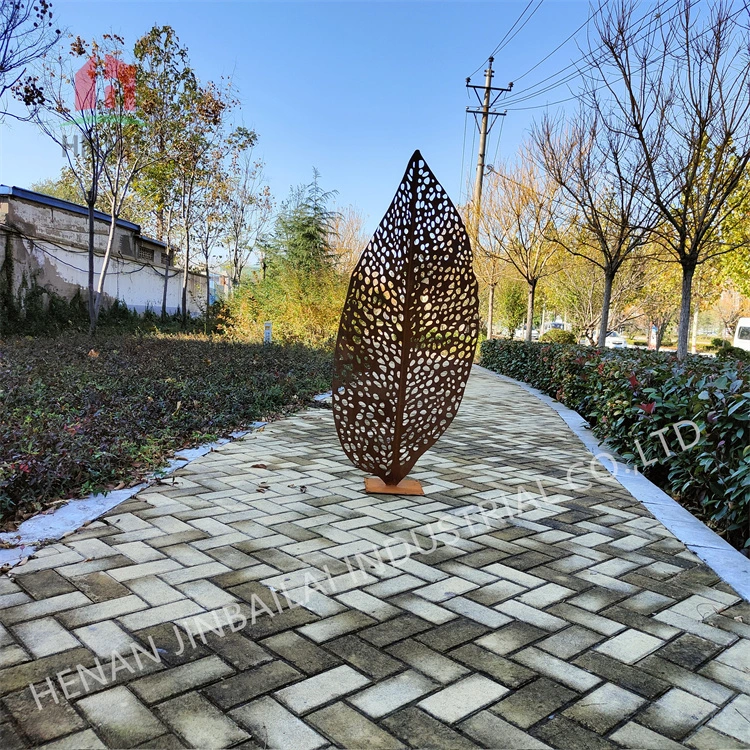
(408, 331)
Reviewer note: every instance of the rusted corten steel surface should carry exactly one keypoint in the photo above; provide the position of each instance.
(408, 331)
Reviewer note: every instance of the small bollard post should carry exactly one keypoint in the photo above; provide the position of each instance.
(267, 332)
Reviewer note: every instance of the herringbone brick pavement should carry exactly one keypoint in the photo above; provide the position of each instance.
(262, 600)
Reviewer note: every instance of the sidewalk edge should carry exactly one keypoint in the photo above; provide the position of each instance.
(727, 562)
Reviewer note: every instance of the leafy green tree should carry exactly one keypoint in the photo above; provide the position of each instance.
(302, 234)
(167, 96)
(112, 153)
(63, 187)
(301, 292)
(510, 300)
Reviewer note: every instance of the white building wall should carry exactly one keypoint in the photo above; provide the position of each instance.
(50, 245)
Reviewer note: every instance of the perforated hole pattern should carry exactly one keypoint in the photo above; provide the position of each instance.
(408, 331)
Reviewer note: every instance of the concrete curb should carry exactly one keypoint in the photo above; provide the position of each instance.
(45, 528)
(728, 563)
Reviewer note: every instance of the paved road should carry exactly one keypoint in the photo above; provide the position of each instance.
(262, 600)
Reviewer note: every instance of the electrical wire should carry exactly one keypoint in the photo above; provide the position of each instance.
(497, 145)
(36, 246)
(533, 91)
(468, 171)
(506, 42)
(559, 46)
(506, 38)
(463, 159)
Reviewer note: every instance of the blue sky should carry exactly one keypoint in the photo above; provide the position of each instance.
(349, 87)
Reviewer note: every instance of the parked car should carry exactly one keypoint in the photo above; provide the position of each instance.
(742, 334)
(553, 325)
(520, 333)
(615, 341)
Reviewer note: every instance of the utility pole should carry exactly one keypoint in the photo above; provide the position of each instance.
(487, 100)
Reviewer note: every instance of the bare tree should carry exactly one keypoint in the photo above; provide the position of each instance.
(201, 150)
(348, 238)
(517, 222)
(26, 34)
(677, 85)
(578, 290)
(601, 178)
(658, 302)
(79, 95)
(210, 226)
(490, 269)
(249, 207)
(730, 307)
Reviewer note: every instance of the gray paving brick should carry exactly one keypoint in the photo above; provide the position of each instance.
(120, 718)
(388, 695)
(157, 687)
(44, 636)
(50, 606)
(364, 657)
(431, 663)
(605, 707)
(105, 610)
(275, 727)
(332, 627)
(490, 729)
(558, 669)
(733, 719)
(302, 653)
(200, 723)
(534, 702)
(675, 713)
(462, 698)
(419, 729)
(321, 688)
(55, 720)
(348, 728)
(253, 682)
(580, 624)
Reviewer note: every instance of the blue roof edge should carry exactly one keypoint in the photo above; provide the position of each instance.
(48, 200)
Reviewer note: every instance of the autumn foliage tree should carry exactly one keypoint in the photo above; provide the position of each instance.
(677, 86)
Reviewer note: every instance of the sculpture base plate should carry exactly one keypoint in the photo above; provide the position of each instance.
(375, 485)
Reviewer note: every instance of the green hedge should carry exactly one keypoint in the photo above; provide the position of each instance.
(627, 395)
(558, 336)
(80, 416)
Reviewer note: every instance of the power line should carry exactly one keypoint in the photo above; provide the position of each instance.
(510, 38)
(503, 41)
(530, 91)
(534, 90)
(463, 159)
(497, 144)
(559, 46)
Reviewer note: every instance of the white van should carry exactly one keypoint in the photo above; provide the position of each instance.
(742, 334)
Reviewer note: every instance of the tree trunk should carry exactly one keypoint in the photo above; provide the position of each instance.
(694, 337)
(490, 311)
(530, 311)
(609, 278)
(160, 224)
(683, 327)
(208, 298)
(185, 281)
(166, 283)
(661, 329)
(92, 314)
(103, 273)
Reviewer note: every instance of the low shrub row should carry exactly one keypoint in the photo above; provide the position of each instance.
(633, 399)
(76, 419)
